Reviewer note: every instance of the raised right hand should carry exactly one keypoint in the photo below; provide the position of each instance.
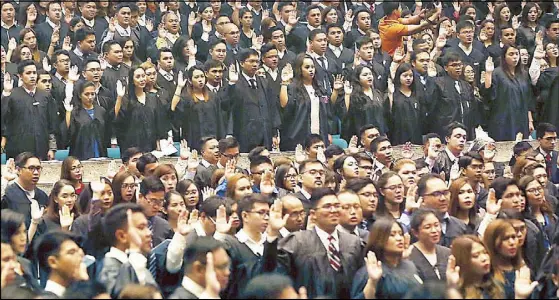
(120, 89)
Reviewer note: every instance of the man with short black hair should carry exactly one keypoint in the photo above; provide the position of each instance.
(152, 198)
(381, 148)
(259, 166)
(112, 54)
(9, 29)
(276, 36)
(146, 164)
(228, 150)
(351, 215)
(367, 134)
(547, 137)
(129, 158)
(456, 137)
(311, 176)
(314, 143)
(336, 51)
(85, 47)
(46, 29)
(472, 166)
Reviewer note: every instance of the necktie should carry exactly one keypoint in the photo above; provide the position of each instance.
(152, 265)
(253, 84)
(150, 226)
(32, 94)
(548, 164)
(322, 62)
(169, 77)
(333, 255)
(457, 86)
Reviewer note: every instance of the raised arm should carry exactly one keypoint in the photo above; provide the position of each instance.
(286, 76)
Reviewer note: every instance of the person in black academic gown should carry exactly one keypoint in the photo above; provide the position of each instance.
(363, 105)
(138, 114)
(254, 108)
(163, 95)
(300, 99)
(510, 97)
(406, 110)
(548, 85)
(197, 111)
(85, 126)
(29, 119)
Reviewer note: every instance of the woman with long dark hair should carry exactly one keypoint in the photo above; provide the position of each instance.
(362, 104)
(190, 192)
(286, 180)
(62, 209)
(510, 96)
(526, 33)
(391, 197)
(406, 110)
(72, 170)
(463, 203)
(124, 187)
(182, 53)
(86, 123)
(198, 111)
(306, 106)
(138, 114)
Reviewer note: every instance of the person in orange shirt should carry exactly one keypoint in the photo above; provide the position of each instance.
(392, 28)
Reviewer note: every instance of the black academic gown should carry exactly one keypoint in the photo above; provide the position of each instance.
(363, 111)
(510, 101)
(548, 85)
(112, 74)
(201, 118)
(425, 270)
(28, 121)
(255, 114)
(16, 199)
(450, 106)
(140, 124)
(297, 116)
(84, 132)
(406, 120)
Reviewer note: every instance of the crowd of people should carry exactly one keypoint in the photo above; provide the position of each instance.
(337, 82)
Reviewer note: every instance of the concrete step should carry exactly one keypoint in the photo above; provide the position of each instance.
(93, 169)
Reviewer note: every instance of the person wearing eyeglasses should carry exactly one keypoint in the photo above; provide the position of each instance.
(351, 215)
(547, 137)
(407, 171)
(312, 175)
(229, 150)
(392, 197)
(72, 170)
(435, 195)
(258, 166)
(432, 146)
(23, 194)
(294, 208)
(151, 198)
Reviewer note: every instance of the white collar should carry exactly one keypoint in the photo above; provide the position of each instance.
(193, 287)
(123, 31)
(212, 88)
(51, 23)
(4, 25)
(343, 229)
(281, 54)
(269, 70)
(257, 247)
(60, 77)
(466, 50)
(30, 194)
(78, 52)
(316, 56)
(543, 152)
(165, 73)
(34, 91)
(450, 155)
(205, 163)
(323, 235)
(252, 9)
(55, 288)
(90, 23)
(305, 193)
(117, 254)
(311, 28)
(334, 48)
(248, 78)
(283, 23)
(284, 232)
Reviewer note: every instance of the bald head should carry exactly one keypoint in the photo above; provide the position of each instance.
(294, 208)
(232, 34)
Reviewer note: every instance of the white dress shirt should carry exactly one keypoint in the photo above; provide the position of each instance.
(257, 247)
(55, 288)
(323, 235)
(315, 109)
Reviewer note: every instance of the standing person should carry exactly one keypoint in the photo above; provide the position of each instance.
(392, 28)
(93, 203)
(36, 132)
(113, 68)
(23, 196)
(391, 198)
(86, 127)
(368, 197)
(138, 114)
(306, 104)
(152, 198)
(406, 109)
(45, 30)
(510, 96)
(62, 208)
(256, 119)
(429, 258)
(463, 203)
(547, 137)
(124, 187)
(199, 111)
(351, 216)
(312, 176)
(456, 137)
(363, 103)
(72, 170)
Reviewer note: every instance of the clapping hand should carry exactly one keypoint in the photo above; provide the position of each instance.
(233, 74)
(66, 218)
(287, 74)
(120, 89)
(267, 184)
(338, 82)
(185, 225)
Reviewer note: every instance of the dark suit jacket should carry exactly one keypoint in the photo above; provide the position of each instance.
(325, 76)
(306, 202)
(7, 34)
(182, 293)
(554, 171)
(454, 228)
(288, 58)
(303, 257)
(203, 177)
(296, 40)
(44, 35)
(16, 200)
(346, 57)
(443, 160)
(161, 230)
(78, 61)
(116, 275)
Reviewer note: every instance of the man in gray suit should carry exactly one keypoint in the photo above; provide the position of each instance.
(323, 259)
(206, 270)
(351, 215)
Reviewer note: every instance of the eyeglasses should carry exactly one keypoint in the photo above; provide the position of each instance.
(368, 168)
(231, 156)
(193, 192)
(329, 206)
(534, 190)
(74, 168)
(33, 168)
(262, 213)
(394, 187)
(295, 214)
(439, 193)
(315, 172)
(291, 176)
(155, 202)
(128, 186)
